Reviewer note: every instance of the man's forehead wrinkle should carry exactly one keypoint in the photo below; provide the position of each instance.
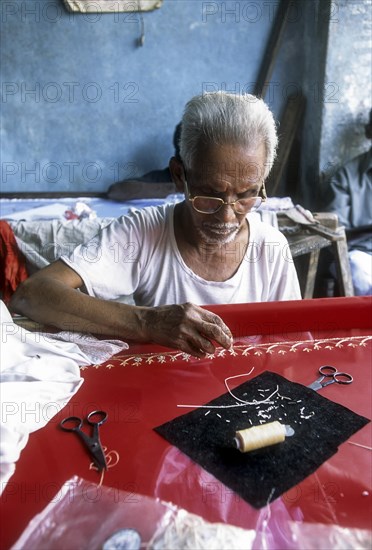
(224, 168)
(229, 168)
(249, 173)
(225, 156)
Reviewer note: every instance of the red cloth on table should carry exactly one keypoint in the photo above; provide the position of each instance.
(12, 262)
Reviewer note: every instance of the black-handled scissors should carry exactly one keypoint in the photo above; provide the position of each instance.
(327, 371)
(93, 443)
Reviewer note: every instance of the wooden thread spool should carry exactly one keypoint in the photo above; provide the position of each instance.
(258, 437)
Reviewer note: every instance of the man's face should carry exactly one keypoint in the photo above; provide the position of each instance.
(230, 173)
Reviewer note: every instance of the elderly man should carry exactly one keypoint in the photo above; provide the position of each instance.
(174, 258)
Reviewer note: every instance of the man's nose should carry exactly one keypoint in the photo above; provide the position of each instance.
(227, 214)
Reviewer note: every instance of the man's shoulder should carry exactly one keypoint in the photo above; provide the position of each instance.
(359, 163)
(365, 160)
(263, 231)
(147, 217)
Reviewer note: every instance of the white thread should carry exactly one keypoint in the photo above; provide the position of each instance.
(242, 402)
(237, 376)
(270, 496)
(359, 445)
(267, 400)
(284, 397)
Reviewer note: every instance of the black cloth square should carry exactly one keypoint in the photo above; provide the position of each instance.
(207, 436)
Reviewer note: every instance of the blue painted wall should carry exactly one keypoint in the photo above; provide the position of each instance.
(83, 105)
(338, 87)
(349, 99)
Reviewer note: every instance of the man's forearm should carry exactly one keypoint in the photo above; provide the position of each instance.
(50, 297)
(51, 302)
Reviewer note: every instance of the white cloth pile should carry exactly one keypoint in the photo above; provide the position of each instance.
(43, 242)
(38, 376)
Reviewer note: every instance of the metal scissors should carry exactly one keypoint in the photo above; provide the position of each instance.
(93, 443)
(327, 371)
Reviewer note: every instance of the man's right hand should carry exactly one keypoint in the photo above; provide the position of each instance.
(50, 297)
(186, 327)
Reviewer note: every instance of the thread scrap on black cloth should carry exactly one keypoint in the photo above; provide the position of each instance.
(320, 427)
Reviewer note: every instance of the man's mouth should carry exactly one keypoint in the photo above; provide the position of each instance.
(221, 229)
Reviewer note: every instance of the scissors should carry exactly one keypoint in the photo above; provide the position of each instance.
(327, 371)
(93, 443)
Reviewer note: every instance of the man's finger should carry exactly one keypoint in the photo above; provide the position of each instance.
(218, 331)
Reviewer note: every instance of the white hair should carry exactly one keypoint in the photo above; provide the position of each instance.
(221, 118)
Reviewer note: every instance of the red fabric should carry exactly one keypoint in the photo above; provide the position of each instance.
(12, 262)
(141, 388)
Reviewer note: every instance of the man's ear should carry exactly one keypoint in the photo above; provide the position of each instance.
(178, 173)
(262, 193)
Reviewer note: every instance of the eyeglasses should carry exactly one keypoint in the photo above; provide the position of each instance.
(211, 205)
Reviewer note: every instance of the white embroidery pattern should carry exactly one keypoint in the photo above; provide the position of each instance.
(305, 346)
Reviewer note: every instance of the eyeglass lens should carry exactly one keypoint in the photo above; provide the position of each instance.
(211, 205)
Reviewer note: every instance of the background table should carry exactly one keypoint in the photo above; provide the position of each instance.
(141, 388)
